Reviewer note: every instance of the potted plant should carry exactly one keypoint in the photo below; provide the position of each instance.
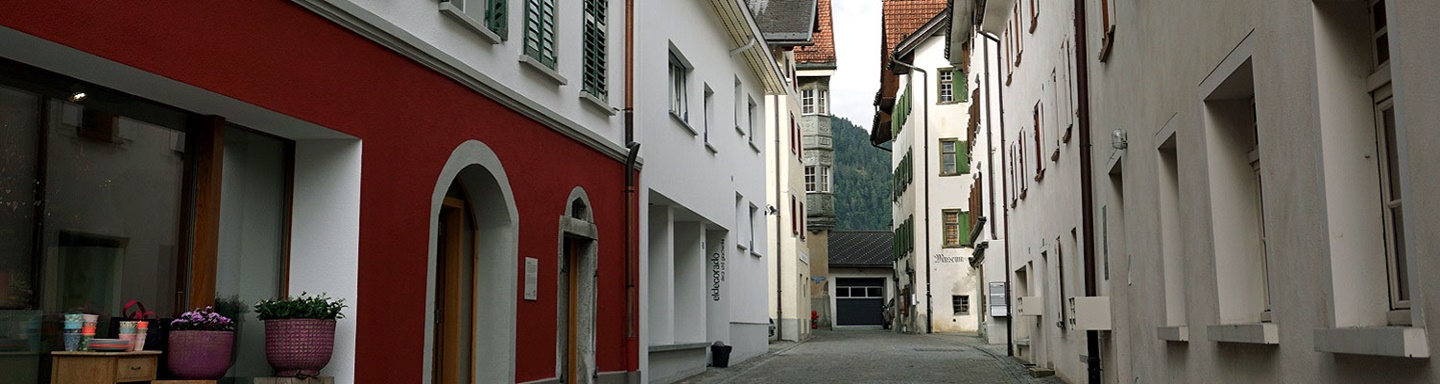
(299, 333)
(200, 344)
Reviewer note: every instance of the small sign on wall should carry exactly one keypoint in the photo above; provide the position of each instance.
(532, 273)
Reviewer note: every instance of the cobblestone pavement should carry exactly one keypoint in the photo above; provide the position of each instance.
(876, 356)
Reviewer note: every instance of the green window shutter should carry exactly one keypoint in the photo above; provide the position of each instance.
(496, 15)
(962, 157)
(596, 59)
(961, 86)
(540, 31)
(964, 228)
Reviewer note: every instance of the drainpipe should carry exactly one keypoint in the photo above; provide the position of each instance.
(924, 172)
(1087, 204)
(779, 226)
(1004, 191)
(632, 204)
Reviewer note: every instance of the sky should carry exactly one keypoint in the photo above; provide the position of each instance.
(857, 50)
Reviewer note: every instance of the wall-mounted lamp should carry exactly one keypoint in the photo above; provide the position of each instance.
(1118, 139)
(77, 93)
(770, 210)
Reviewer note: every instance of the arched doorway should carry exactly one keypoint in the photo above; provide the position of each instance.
(576, 282)
(471, 286)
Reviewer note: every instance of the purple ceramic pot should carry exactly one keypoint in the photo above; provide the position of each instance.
(200, 355)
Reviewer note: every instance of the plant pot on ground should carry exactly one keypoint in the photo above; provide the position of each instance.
(300, 333)
(200, 345)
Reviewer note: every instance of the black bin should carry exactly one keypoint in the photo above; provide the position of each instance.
(720, 355)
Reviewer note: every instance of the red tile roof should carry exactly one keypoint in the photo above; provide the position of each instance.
(903, 17)
(823, 50)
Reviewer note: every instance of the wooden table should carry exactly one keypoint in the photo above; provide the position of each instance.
(103, 367)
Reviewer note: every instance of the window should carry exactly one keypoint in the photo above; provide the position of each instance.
(679, 76)
(810, 179)
(957, 233)
(824, 183)
(795, 217)
(1034, 15)
(754, 120)
(954, 157)
(739, 106)
(709, 113)
(802, 221)
(540, 31)
(594, 78)
(823, 106)
(750, 240)
(794, 136)
(807, 101)
(1391, 202)
(1380, 32)
(961, 304)
(947, 85)
(491, 14)
(1039, 161)
(1107, 21)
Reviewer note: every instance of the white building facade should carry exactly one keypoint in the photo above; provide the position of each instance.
(703, 131)
(939, 289)
(1253, 207)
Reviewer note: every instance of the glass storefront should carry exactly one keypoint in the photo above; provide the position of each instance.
(97, 208)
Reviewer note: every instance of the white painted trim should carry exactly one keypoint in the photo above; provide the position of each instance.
(533, 63)
(601, 105)
(1254, 333)
(1237, 57)
(457, 14)
(499, 224)
(1180, 333)
(387, 34)
(1375, 341)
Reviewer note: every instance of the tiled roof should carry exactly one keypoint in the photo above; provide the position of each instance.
(784, 20)
(903, 17)
(861, 248)
(823, 49)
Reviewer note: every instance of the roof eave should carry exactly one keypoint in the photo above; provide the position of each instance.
(741, 24)
(995, 15)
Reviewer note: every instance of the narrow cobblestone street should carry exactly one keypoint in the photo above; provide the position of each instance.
(875, 356)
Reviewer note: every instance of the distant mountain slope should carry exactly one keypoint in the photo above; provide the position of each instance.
(862, 179)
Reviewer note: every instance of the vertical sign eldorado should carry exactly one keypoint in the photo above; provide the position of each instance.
(717, 271)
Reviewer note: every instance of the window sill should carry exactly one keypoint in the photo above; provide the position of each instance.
(538, 67)
(754, 147)
(1409, 342)
(469, 22)
(600, 105)
(1106, 42)
(1055, 156)
(683, 123)
(756, 254)
(1257, 333)
(739, 130)
(1179, 333)
(711, 148)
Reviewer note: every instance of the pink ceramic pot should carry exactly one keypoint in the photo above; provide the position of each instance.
(200, 355)
(299, 346)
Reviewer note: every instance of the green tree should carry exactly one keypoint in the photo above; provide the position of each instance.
(862, 179)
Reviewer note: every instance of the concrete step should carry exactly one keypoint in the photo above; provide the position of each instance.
(1038, 372)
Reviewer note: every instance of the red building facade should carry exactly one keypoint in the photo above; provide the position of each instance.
(408, 124)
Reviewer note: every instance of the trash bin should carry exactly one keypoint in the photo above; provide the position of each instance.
(720, 355)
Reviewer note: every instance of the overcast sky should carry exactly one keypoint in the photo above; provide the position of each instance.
(857, 47)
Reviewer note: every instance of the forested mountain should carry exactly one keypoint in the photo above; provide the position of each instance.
(862, 179)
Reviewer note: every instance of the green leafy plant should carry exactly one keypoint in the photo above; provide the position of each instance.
(304, 307)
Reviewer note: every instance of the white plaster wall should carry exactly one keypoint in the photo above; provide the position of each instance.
(986, 160)
(325, 236)
(423, 19)
(946, 279)
(699, 184)
(785, 168)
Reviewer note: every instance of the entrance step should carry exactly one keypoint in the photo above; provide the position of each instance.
(1038, 372)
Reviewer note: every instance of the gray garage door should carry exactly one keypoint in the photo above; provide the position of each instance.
(859, 301)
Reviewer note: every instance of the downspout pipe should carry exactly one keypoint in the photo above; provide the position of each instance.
(1004, 192)
(1087, 202)
(924, 172)
(743, 48)
(632, 206)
